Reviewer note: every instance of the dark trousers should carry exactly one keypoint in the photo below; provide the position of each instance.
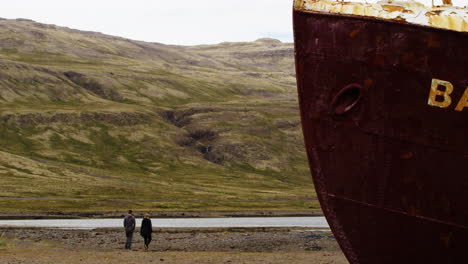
(147, 239)
(128, 243)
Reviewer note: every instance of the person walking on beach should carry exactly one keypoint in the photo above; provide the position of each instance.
(146, 230)
(129, 225)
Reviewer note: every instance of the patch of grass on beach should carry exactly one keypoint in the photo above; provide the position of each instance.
(111, 205)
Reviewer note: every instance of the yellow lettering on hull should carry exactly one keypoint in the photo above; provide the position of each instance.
(436, 83)
(441, 97)
(463, 101)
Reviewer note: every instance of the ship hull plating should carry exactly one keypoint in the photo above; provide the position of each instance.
(386, 128)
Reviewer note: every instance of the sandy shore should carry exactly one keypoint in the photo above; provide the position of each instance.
(36, 245)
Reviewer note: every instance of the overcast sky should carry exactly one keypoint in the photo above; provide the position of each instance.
(185, 22)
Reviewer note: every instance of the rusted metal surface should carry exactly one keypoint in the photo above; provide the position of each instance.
(384, 110)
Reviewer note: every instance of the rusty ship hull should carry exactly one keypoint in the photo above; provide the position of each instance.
(385, 120)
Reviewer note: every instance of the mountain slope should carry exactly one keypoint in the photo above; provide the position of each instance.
(96, 122)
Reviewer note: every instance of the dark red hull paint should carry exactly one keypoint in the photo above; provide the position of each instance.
(391, 171)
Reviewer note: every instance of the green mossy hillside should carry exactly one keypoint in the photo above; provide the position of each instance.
(91, 122)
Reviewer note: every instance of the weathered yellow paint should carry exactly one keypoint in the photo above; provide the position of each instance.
(446, 16)
(298, 4)
(434, 92)
(463, 101)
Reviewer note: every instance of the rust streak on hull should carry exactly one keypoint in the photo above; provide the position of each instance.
(389, 162)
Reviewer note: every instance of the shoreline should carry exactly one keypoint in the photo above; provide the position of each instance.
(175, 214)
(5, 229)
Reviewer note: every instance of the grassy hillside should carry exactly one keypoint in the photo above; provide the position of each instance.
(91, 122)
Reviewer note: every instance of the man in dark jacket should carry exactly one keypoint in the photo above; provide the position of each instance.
(129, 225)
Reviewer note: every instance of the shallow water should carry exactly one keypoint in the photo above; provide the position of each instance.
(312, 222)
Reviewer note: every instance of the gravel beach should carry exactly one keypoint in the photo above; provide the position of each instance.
(214, 245)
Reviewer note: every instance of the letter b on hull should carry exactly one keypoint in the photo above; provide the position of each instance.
(447, 100)
(441, 98)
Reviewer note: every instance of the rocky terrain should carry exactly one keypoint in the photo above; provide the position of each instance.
(91, 122)
(170, 246)
(214, 240)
